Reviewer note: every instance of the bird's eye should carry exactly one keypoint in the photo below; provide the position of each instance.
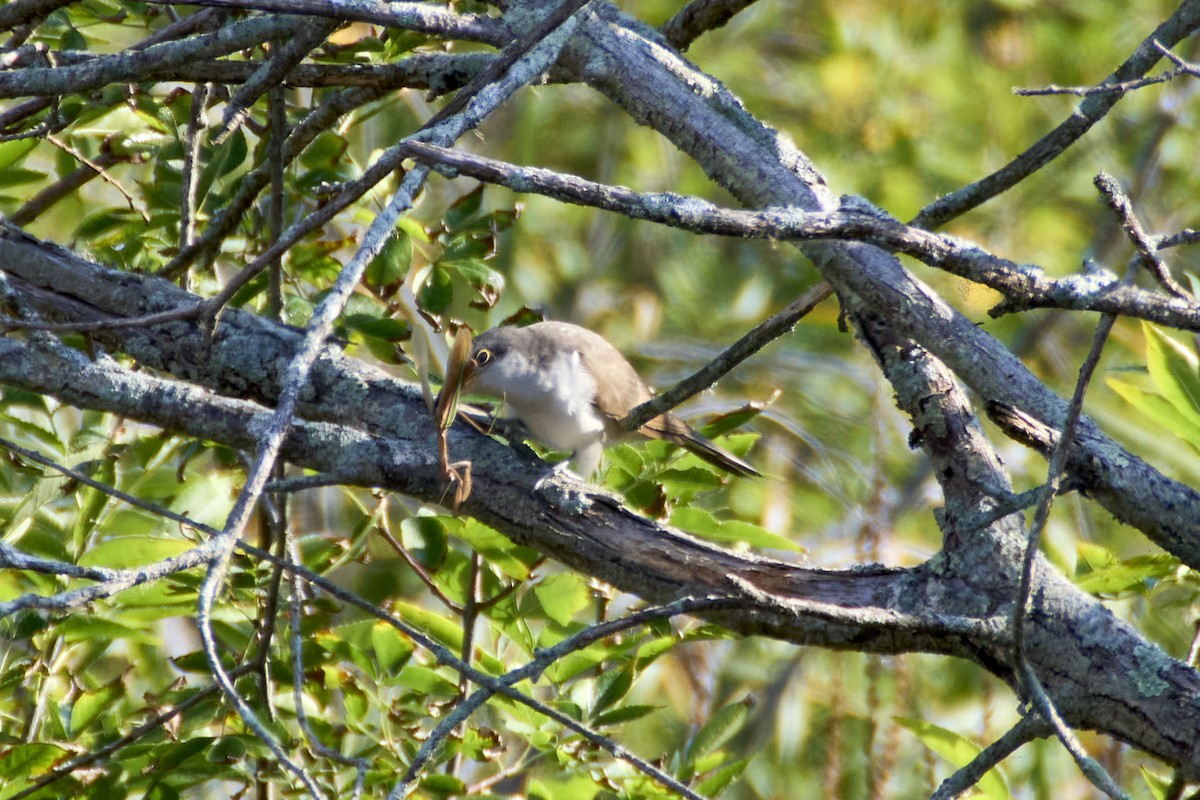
(483, 357)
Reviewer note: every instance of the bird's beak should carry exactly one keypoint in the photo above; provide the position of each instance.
(459, 370)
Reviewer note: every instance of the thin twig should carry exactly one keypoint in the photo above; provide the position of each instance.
(533, 62)
(443, 655)
(190, 178)
(66, 147)
(1028, 728)
(699, 17)
(416, 566)
(289, 51)
(35, 206)
(1181, 68)
(418, 17)
(534, 669)
(276, 166)
(1181, 24)
(60, 771)
(1058, 460)
(296, 644)
(760, 336)
(1024, 285)
(1143, 243)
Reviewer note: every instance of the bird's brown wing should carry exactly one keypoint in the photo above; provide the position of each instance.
(619, 390)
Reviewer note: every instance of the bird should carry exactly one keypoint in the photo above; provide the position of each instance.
(571, 388)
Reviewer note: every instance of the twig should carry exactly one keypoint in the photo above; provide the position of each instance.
(534, 669)
(35, 206)
(1145, 246)
(20, 12)
(760, 336)
(317, 120)
(1058, 460)
(537, 58)
(1181, 68)
(191, 164)
(504, 686)
(60, 771)
(418, 569)
(1024, 285)
(1181, 24)
(1183, 237)
(277, 162)
(296, 644)
(699, 17)
(419, 17)
(1028, 728)
(306, 35)
(102, 172)
(141, 65)
(510, 55)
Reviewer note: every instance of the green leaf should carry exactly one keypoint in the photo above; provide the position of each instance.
(424, 537)
(719, 729)
(959, 751)
(442, 785)
(392, 648)
(485, 282)
(437, 291)
(12, 152)
(132, 551)
(17, 176)
(464, 209)
(25, 761)
(90, 705)
(512, 559)
(623, 714)
(1134, 574)
(1159, 785)
(611, 687)
(1158, 410)
(426, 681)
(444, 630)
(392, 263)
(719, 780)
(562, 596)
(702, 523)
(1173, 368)
(94, 628)
(380, 327)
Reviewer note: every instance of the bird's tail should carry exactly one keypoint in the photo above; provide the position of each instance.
(673, 429)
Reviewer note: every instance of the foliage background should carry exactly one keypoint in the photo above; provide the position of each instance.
(900, 102)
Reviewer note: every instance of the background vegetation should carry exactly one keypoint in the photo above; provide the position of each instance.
(898, 102)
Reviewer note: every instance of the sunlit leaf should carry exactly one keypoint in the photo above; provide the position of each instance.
(562, 596)
(702, 523)
(958, 750)
(720, 728)
(1173, 369)
(1134, 574)
(1158, 410)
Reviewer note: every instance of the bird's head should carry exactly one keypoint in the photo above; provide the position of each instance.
(484, 361)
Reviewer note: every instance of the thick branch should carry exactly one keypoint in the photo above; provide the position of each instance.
(1025, 286)
(764, 170)
(1099, 670)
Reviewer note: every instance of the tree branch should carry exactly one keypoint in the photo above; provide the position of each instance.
(701, 117)
(933, 608)
(418, 17)
(1094, 107)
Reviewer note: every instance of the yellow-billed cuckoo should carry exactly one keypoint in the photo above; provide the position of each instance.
(571, 388)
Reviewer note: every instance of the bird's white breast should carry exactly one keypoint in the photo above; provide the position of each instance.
(555, 402)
